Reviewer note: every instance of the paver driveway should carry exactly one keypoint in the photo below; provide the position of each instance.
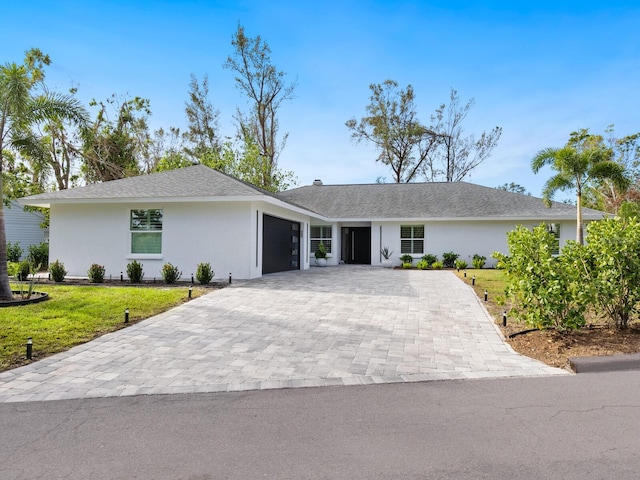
(327, 326)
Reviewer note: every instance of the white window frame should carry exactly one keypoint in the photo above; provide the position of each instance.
(146, 228)
(327, 240)
(414, 241)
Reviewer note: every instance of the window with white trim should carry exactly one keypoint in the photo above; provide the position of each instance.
(412, 239)
(146, 231)
(320, 234)
(554, 228)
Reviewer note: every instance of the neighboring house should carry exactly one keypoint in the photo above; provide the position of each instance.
(197, 214)
(23, 227)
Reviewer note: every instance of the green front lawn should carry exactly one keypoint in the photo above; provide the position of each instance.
(77, 314)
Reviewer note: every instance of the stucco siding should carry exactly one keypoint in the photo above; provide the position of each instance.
(464, 238)
(217, 233)
(228, 235)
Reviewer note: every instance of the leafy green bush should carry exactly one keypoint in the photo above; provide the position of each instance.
(14, 252)
(437, 265)
(24, 269)
(461, 264)
(429, 258)
(478, 261)
(170, 274)
(13, 268)
(406, 258)
(96, 273)
(321, 252)
(134, 272)
(549, 290)
(422, 265)
(448, 259)
(407, 265)
(204, 273)
(57, 271)
(39, 255)
(611, 265)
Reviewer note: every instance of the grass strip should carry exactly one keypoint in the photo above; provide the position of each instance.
(77, 314)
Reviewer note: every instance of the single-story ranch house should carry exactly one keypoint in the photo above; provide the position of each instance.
(196, 214)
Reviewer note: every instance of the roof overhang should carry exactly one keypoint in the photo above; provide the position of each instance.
(46, 203)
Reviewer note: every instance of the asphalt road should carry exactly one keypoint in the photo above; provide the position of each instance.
(579, 427)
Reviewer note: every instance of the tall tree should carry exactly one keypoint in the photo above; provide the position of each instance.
(457, 155)
(604, 194)
(266, 88)
(25, 102)
(392, 125)
(115, 149)
(576, 167)
(201, 137)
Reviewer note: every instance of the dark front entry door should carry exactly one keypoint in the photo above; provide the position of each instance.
(280, 245)
(356, 245)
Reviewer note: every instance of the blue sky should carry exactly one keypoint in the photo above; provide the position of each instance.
(537, 69)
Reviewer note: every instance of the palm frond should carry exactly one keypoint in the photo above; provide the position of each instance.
(542, 158)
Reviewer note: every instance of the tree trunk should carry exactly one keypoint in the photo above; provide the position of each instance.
(579, 229)
(5, 288)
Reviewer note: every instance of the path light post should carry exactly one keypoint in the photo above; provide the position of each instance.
(126, 315)
(229, 278)
(29, 348)
(465, 274)
(486, 294)
(504, 318)
(190, 290)
(473, 280)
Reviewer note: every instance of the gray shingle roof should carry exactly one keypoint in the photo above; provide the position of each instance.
(191, 182)
(427, 200)
(369, 201)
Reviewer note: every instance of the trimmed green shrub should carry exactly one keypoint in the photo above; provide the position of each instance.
(96, 273)
(448, 259)
(170, 274)
(461, 264)
(422, 265)
(14, 252)
(39, 255)
(406, 258)
(407, 265)
(57, 271)
(478, 261)
(429, 258)
(437, 265)
(204, 273)
(134, 272)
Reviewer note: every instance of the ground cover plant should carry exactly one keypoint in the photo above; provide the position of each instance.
(76, 314)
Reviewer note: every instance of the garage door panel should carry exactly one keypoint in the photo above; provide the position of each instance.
(280, 245)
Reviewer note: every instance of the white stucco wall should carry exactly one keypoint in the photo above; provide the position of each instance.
(221, 233)
(465, 238)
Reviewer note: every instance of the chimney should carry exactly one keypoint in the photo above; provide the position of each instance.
(317, 182)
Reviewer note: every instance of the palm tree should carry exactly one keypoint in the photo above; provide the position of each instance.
(577, 169)
(20, 108)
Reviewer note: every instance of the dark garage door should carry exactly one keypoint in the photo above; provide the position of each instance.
(280, 245)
